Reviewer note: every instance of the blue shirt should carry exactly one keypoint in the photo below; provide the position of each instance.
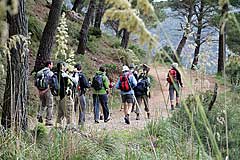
(132, 82)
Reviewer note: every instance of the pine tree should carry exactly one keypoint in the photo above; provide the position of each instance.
(85, 27)
(14, 111)
(47, 40)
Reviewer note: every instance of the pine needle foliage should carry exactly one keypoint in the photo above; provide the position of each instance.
(129, 19)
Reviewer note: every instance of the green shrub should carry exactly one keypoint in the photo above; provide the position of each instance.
(116, 44)
(141, 54)
(95, 32)
(73, 29)
(40, 131)
(165, 55)
(233, 71)
(128, 56)
(35, 26)
(216, 119)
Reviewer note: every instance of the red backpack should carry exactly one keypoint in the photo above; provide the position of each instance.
(124, 83)
(172, 76)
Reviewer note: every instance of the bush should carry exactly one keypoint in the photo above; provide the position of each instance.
(216, 119)
(233, 71)
(165, 55)
(171, 142)
(116, 44)
(40, 131)
(141, 54)
(35, 27)
(128, 56)
(95, 32)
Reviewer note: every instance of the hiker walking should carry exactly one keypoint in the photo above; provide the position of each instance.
(42, 82)
(100, 84)
(174, 81)
(80, 90)
(133, 70)
(142, 93)
(126, 83)
(135, 73)
(66, 103)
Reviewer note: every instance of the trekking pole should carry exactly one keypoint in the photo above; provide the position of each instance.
(180, 96)
(161, 90)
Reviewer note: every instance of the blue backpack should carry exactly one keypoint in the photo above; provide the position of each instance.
(142, 85)
(55, 85)
(97, 82)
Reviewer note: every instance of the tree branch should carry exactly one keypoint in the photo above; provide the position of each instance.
(214, 97)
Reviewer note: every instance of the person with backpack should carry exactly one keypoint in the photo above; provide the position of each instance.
(80, 90)
(42, 83)
(174, 80)
(66, 103)
(133, 70)
(100, 85)
(126, 83)
(135, 73)
(142, 93)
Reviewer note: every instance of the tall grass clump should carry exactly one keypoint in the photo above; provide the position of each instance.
(216, 120)
(172, 142)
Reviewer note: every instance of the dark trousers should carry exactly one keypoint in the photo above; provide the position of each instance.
(103, 100)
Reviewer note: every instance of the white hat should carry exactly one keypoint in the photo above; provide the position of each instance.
(174, 65)
(125, 68)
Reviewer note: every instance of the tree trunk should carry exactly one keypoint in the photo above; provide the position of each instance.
(77, 4)
(222, 40)
(14, 111)
(185, 34)
(48, 36)
(85, 27)
(99, 14)
(125, 38)
(180, 47)
(198, 39)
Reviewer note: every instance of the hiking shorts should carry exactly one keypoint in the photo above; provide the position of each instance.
(173, 88)
(127, 98)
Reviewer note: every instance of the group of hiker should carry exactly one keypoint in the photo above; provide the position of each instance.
(70, 89)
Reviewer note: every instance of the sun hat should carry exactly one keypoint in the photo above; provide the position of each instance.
(174, 65)
(125, 68)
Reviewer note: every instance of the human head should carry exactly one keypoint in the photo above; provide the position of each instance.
(78, 66)
(61, 66)
(49, 64)
(102, 69)
(125, 68)
(131, 66)
(174, 65)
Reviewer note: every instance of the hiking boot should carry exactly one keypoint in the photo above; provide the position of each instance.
(96, 121)
(177, 105)
(108, 119)
(126, 118)
(48, 124)
(40, 120)
(172, 107)
(101, 117)
(148, 115)
(138, 117)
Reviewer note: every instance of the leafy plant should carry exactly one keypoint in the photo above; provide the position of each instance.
(233, 71)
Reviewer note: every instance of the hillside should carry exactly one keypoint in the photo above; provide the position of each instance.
(204, 126)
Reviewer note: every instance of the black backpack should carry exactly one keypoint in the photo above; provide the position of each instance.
(41, 81)
(142, 85)
(55, 85)
(82, 82)
(97, 82)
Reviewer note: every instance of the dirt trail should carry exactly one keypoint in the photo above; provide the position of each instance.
(157, 105)
(192, 83)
